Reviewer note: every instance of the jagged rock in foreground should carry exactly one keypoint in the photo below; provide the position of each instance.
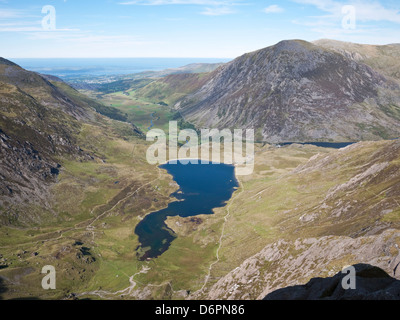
(372, 283)
(298, 91)
(286, 263)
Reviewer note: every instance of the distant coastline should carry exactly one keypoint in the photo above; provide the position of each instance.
(66, 67)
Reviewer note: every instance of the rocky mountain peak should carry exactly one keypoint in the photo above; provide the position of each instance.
(293, 91)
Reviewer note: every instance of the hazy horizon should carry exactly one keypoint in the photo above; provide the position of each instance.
(186, 28)
(188, 57)
(72, 67)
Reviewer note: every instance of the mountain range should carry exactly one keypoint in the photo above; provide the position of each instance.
(296, 91)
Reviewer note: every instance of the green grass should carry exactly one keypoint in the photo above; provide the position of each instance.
(139, 111)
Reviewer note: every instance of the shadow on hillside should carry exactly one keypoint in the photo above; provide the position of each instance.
(372, 283)
(3, 288)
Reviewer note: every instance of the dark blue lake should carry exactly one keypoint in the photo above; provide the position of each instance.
(334, 145)
(202, 188)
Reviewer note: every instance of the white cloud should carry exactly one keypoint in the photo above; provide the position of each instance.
(8, 14)
(19, 29)
(88, 45)
(273, 9)
(181, 2)
(214, 7)
(27, 27)
(217, 11)
(366, 10)
(14, 14)
(66, 41)
(367, 15)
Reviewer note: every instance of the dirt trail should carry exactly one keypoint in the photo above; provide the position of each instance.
(207, 278)
(129, 291)
(124, 199)
(90, 226)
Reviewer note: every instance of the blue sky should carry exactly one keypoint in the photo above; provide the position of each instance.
(185, 28)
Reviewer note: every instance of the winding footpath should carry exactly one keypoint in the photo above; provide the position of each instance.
(207, 278)
(90, 226)
(122, 200)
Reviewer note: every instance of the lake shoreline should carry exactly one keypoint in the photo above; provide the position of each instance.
(201, 190)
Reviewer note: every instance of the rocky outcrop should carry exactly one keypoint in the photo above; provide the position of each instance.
(285, 263)
(371, 283)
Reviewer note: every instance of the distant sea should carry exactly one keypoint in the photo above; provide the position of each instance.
(66, 68)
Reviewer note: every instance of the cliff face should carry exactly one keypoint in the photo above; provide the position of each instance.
(371, 283)
(287, 264)
(297, 91)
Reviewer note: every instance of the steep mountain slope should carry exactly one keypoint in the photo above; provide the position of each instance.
(44, 92)
(340, 208)
(297, 91)
(385, 59)
(39, 124)
(172, 88)
(80, 98)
